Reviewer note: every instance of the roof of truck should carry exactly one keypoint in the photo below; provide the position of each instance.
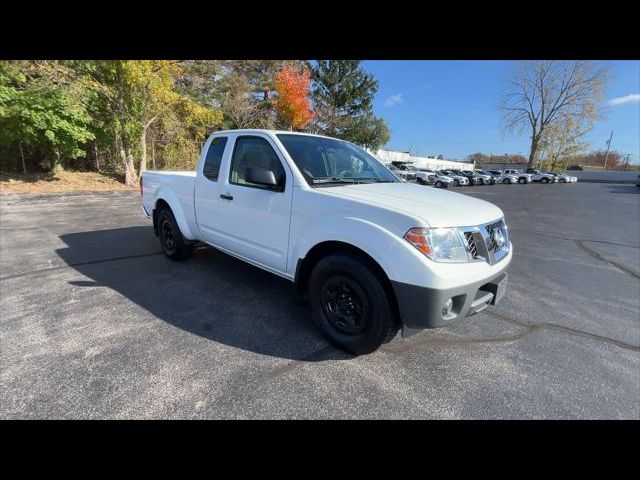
(274, 132)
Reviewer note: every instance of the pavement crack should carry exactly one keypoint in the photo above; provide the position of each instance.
(597, 256)
(525, 329)
(79, 264)
(405, 346)
(564, 329)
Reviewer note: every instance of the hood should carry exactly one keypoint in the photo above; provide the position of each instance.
(438, 208)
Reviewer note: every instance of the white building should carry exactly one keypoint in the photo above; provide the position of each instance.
(432, 163)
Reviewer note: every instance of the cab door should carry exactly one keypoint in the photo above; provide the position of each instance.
(208, 188)
(253, 219)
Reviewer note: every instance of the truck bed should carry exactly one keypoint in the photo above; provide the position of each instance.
(180, 183)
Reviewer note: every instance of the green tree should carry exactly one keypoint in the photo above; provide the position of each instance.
(343, 95)
(135, 94)
(39, 110)
(368, 131)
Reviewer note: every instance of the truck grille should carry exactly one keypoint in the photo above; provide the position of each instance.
(471, 244)
(488, 242)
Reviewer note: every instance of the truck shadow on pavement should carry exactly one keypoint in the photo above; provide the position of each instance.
(212, 294)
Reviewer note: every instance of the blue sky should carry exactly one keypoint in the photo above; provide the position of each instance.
(451, 107)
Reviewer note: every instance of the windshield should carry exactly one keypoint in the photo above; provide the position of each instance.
(326, 161)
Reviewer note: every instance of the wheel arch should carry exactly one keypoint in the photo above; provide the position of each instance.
(167, 199)
(323, 249)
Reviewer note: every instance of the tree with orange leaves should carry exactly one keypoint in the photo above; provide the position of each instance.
(292, 102)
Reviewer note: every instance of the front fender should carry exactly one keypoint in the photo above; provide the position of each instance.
(170, 197)
(399, 260)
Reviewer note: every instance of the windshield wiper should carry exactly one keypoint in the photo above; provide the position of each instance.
(349, 180)
(333, 180)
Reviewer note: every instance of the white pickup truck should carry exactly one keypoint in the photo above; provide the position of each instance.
(370, 253)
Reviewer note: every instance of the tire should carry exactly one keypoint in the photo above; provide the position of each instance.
(456, 183)
(420, 181)
(342, 283)
(522, 180)
(507, 181)
(562, 180)
(545, 180)
(173, 244)
(438, 184)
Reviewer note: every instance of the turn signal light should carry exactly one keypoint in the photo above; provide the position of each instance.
(418, 238)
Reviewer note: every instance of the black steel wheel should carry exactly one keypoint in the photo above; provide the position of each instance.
(350, 303)
(345, 304)
(173, 244)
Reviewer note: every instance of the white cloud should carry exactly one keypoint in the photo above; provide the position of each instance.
(393, 100)
(633, 98)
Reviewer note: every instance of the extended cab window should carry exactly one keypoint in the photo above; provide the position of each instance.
(254, 152)
(212, 161)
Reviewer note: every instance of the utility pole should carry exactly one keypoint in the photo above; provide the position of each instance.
(626, 163)
(608, 147)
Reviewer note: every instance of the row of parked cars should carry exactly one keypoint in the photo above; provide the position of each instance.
(456, 178)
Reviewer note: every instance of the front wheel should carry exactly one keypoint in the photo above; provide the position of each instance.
(545, 180)
(421, 181)
(438, 184)
(350, 304)
(173, 244)
(522, 180)
(456, 183)
(507, 181)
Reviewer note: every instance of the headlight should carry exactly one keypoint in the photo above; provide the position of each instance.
(439, 244)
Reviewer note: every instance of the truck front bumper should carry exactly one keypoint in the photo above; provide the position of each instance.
(422, 307)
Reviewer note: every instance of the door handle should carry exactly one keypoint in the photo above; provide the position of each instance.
(226, 196)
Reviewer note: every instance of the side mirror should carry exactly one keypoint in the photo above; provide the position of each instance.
(262, 176)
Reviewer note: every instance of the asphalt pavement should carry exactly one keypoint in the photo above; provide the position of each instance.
(97, 323)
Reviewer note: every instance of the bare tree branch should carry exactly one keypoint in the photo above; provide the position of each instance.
(547, 95)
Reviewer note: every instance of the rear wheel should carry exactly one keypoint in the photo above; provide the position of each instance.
(456, 183)
(507, 181)
(421, 181)
(545, 180)
(562, 180)
(438, 184)
(350, 304)
(522, 180)
(173, 244)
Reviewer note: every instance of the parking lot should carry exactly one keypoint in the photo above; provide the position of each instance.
(97, 323)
